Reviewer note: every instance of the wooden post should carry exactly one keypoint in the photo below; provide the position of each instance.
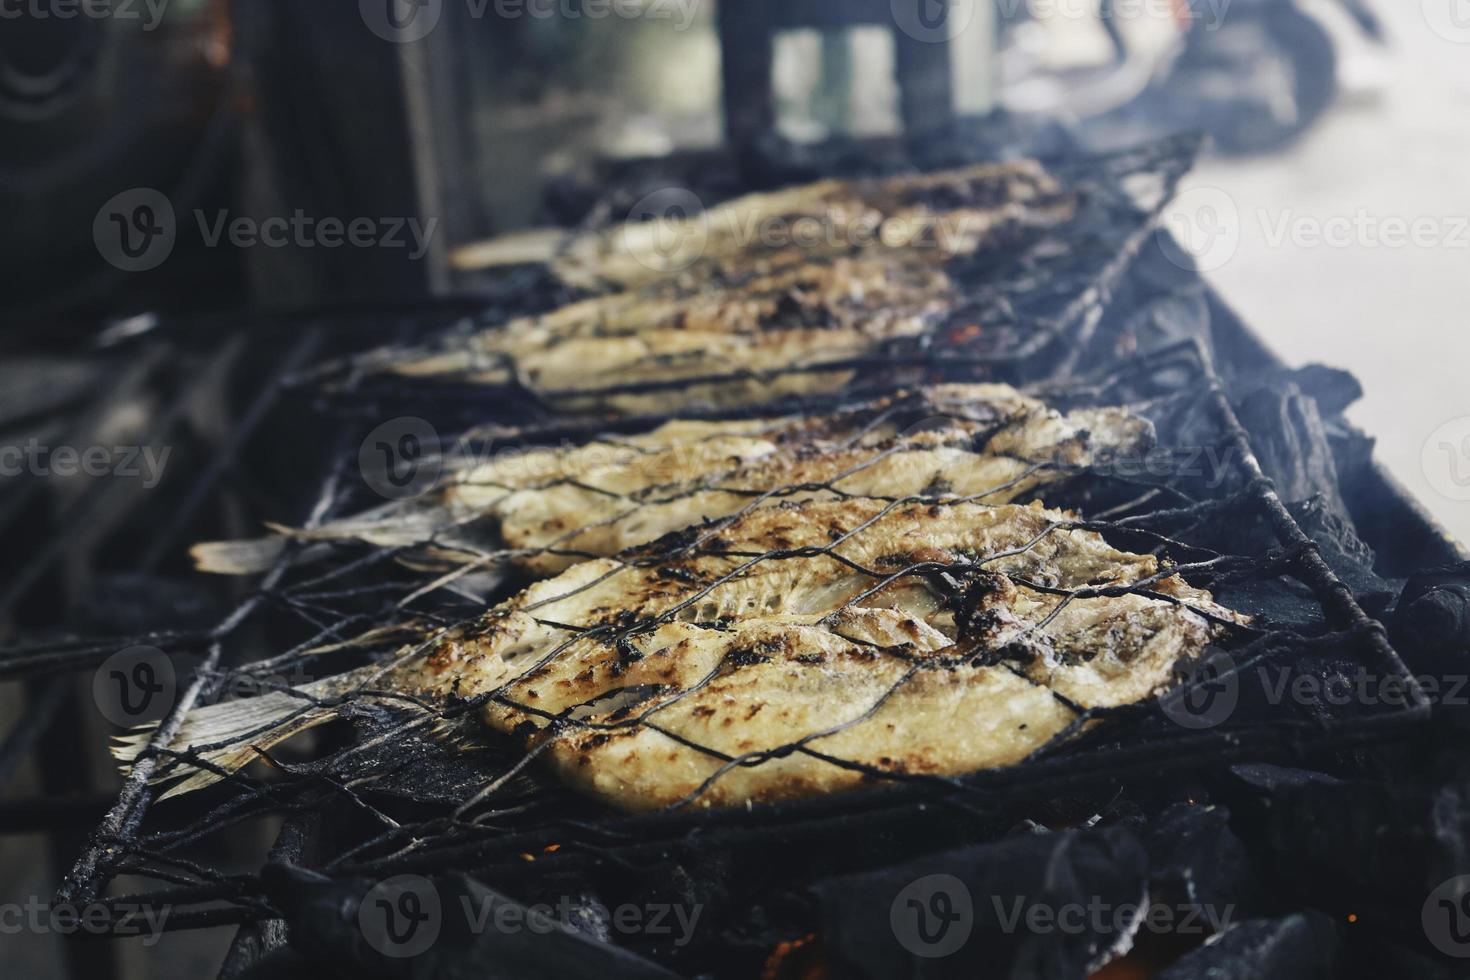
(344, 127)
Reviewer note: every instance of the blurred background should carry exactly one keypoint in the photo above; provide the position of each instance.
(1331, 210)
(1327, 116)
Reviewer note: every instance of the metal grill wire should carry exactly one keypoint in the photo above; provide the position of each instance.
(337, 599)
(1055, 293)
(1038, 292)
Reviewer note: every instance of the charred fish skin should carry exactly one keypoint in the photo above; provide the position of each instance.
(749, 346)
(796, 649)
(828, 309)
(554, 507)
(933, 216)
(748, 321)
(596, 516)
(808, 648)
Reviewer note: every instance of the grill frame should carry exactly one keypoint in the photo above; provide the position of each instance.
(1038, 779)
(91, 873)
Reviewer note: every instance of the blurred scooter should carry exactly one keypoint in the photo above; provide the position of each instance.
(1253, 74)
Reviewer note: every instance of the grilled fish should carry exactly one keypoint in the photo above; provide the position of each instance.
(935, 216)
(750, 341)
(754, 316)
(799, 649)
(553, 507)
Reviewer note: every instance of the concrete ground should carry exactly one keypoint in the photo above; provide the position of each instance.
(1354, 247)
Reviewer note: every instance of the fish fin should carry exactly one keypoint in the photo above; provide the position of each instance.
(248, 557)
(230, 735)
(521, 248)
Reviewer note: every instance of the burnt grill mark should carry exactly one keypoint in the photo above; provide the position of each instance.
(746, 657)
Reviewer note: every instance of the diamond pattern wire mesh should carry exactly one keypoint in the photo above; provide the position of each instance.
(1038, 290)
(498, 801)
(352, 603)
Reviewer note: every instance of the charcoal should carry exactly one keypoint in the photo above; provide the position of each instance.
(1368, 843)
(1272, 779)
(1431, 621)
(1180, 316)
(1304, 946)
(1352, 452)
(460, 941)
(1345, 552)
(1154, 268)
(892, 923)
(1283, 602)
(1449, 829)
(1158, 303)
(1196, 859)
(1153, 321)
(1374, 958)
(282, 964)
(1291, 444)
(1332, 389)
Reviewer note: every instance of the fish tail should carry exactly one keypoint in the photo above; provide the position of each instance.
(249, 557)
(535, 245)
(228, 735)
